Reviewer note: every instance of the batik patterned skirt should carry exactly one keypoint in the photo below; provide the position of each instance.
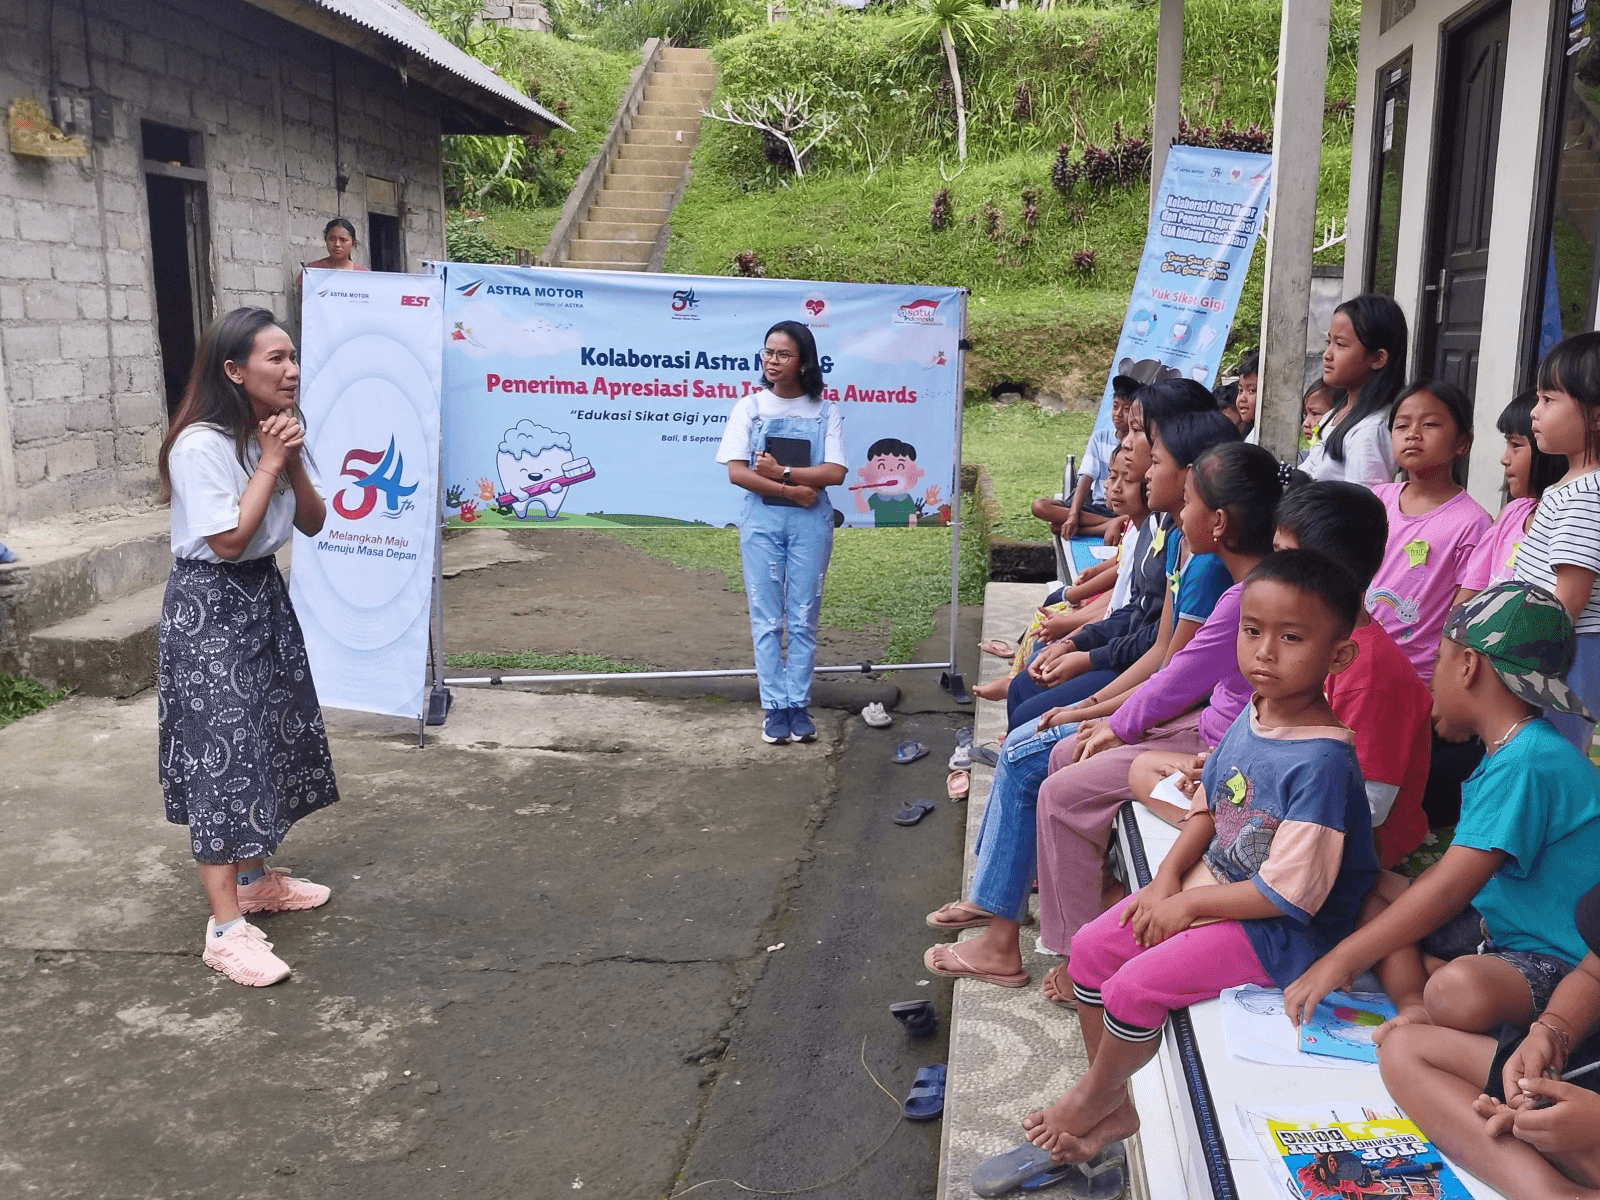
(243, 751)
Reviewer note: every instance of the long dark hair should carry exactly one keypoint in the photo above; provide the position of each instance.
(1379, 325)
(1243, 480)
(340, 223)
(1516, 420)
(210, 397)
(1573, 366)
(810, 366)
(1188, 435)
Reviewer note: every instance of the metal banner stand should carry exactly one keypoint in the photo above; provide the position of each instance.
(950, 678)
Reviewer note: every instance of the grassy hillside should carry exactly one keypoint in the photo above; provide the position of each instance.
(1079, 77)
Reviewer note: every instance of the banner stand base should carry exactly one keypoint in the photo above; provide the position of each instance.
(952, 682)
(439, 701)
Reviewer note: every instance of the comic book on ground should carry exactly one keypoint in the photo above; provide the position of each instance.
(1348, 1151)
(1343, 1024)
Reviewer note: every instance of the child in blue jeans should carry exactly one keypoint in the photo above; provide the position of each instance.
(1270, 869)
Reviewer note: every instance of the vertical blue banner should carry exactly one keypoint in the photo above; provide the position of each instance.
(1207, 218)
(599, 398)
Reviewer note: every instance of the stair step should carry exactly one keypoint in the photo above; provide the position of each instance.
(668, 125)
(640, 169)
(673, 109)
(108, 651)
(677, 136)
(596, 228)
(616, 214)
(595, 250)
(578, 264)
(674, 92)
(614, 195)
(685, 54)
(670, 153)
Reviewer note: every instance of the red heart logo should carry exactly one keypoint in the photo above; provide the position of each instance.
(815, 307)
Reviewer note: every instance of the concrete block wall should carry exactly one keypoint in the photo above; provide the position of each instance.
(82, 403)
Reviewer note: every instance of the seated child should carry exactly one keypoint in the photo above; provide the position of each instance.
(1085, 511)
(1269, 870)
(1236, 399)
(1126, 620)
(1491, 913)
(1379, 697)
(1529, 1135)
(1433, 524)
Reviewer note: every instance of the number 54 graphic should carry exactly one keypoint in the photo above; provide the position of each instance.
(385, 477)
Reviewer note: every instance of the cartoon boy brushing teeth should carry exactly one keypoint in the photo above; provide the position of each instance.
(887, 478)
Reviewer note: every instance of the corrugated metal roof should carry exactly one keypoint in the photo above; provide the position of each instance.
(397, 23)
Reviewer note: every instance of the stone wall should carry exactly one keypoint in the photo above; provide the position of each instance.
(82, 403)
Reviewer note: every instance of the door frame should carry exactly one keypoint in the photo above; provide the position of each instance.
(1552, 121)
(1438, 159)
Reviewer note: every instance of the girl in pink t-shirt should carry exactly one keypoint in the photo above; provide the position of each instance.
(1433, 524)
(1529, 470)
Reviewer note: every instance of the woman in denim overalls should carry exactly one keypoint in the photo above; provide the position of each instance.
(786, 533)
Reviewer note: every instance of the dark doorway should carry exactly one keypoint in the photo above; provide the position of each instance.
(1450, 319)
(1388, 163)
(180, 248)
(383, 242)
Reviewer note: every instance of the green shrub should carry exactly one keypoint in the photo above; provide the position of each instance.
(22, 697)
(465, 241)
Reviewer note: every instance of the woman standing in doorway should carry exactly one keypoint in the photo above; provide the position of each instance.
(785, 445)
(243, 752)
(340, 238)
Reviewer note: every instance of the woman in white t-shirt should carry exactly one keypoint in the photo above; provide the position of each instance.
(243, 752)
(1366, 359)
(784, 445)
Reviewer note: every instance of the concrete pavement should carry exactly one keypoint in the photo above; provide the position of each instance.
(545, 968)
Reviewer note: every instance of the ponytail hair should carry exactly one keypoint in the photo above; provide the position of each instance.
(1246, 482)
(1516, 420)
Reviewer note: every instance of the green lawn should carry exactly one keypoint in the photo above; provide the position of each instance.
(1023, 449)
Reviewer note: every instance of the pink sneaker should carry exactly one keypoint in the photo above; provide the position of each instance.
(278, 891)
(244, 955)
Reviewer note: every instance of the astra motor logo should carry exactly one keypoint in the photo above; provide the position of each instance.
(683, 301)
(385, 476)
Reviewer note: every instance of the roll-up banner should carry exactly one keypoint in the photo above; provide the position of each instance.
(1207, 218)
(596, 398)
(369, 387)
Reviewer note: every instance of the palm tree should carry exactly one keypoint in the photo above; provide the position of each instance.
(967, 19)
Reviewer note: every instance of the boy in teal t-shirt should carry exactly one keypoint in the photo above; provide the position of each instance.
(1537, 801)
(1493, 914)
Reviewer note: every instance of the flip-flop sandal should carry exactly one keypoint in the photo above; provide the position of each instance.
(1010, 1170)
(1101, 1178)
(909, 751)
(1069, 1002)
(916, 1017)
(1020, 979)
(877, 716)
(984, 754)
(998, 648)
(977, 920)
(958, 785)
(925, 1100)
(913, 812)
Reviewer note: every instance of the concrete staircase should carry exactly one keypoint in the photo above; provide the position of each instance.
(646, 178)
(81, 605)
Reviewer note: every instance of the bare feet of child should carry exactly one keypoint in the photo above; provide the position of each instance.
(1411, 1014)
(1057, 987)
(1052, 1129)
(995, 689)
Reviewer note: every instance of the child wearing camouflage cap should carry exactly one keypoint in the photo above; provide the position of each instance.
(1494, 915)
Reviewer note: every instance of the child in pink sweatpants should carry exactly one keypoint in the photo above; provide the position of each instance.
(1272, 865)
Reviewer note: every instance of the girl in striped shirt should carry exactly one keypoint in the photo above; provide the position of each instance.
(1561, 550)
